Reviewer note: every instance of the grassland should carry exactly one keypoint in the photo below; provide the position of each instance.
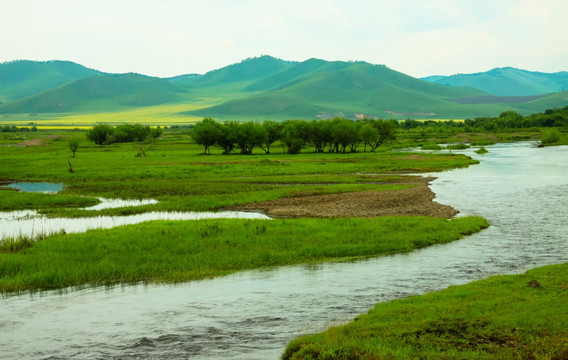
(175, 172)
(503, 317)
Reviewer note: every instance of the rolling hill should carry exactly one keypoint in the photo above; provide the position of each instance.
(99, 93)
(508, 81)
(317, 88)
(21, 79)
(269, 88)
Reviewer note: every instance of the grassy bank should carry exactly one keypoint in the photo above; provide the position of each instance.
(15, 200)
(189, 250)
(503, 317)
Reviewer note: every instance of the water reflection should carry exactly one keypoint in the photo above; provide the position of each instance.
(118, 203)
(31, 224)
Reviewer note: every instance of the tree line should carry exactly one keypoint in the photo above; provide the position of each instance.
(338, 135)
(13, 129)
(507, 120)
(106, 135)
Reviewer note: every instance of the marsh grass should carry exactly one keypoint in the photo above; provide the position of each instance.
(458, 146)
(481, 150)
(503, 317)
(173, 251)
(16, 200)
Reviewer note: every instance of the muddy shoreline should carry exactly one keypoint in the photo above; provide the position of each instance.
(417, 200)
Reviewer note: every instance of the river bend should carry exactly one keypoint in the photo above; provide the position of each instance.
(521, 190)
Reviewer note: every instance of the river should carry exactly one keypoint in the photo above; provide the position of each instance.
(521, 190)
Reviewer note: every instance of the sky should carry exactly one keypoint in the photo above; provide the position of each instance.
(173, 37)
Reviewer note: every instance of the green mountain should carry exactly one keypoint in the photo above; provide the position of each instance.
(99, 93)
(244, 72)
(317, 88)
(234, 81)
(508, 81)
(269, 88)
(21, 79)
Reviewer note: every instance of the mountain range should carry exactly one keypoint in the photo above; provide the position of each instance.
(269, 88)
(508, 81)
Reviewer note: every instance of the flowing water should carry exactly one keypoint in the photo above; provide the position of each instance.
(521, 190)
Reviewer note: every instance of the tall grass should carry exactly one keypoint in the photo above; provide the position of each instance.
(189, 250)
(550, 137)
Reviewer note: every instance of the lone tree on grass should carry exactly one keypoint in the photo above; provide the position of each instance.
(74, 145)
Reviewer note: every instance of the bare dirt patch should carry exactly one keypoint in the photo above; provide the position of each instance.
(414, 201)
(37, 141)
(32, 142)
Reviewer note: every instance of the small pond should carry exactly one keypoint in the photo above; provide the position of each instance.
(42, 187)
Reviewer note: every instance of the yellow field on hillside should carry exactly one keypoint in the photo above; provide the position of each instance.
(163, 115)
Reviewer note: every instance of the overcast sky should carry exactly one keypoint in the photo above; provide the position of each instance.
(173, 37)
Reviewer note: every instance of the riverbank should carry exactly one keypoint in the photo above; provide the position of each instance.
(503, 317)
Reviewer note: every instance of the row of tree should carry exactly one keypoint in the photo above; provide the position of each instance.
(337, 135)
(507, 120)
(13, 129)
(557, 117)
(105, 134)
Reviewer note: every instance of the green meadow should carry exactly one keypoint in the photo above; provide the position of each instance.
(173, 170)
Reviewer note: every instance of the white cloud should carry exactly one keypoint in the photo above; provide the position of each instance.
(169, 37)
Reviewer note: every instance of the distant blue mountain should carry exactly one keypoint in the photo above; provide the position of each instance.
(508, 81)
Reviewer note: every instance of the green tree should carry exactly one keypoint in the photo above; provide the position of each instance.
(320, 134)
(250, 135)
(99, 134)
(386, 129)
(206, 133)
(228, 136)
(272, 130)
(344, 133)
(369, 135)
(74, 145)
(293, 136)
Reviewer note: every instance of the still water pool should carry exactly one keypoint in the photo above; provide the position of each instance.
(42, 187)
(521, 190)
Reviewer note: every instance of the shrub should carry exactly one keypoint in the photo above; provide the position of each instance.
(549, 137)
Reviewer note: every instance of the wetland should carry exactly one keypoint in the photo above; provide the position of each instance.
(157, 307)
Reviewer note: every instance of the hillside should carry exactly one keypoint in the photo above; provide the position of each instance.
(99, 93)
(269, 88)
(21, 79)
(316, 88)
(508, 81)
